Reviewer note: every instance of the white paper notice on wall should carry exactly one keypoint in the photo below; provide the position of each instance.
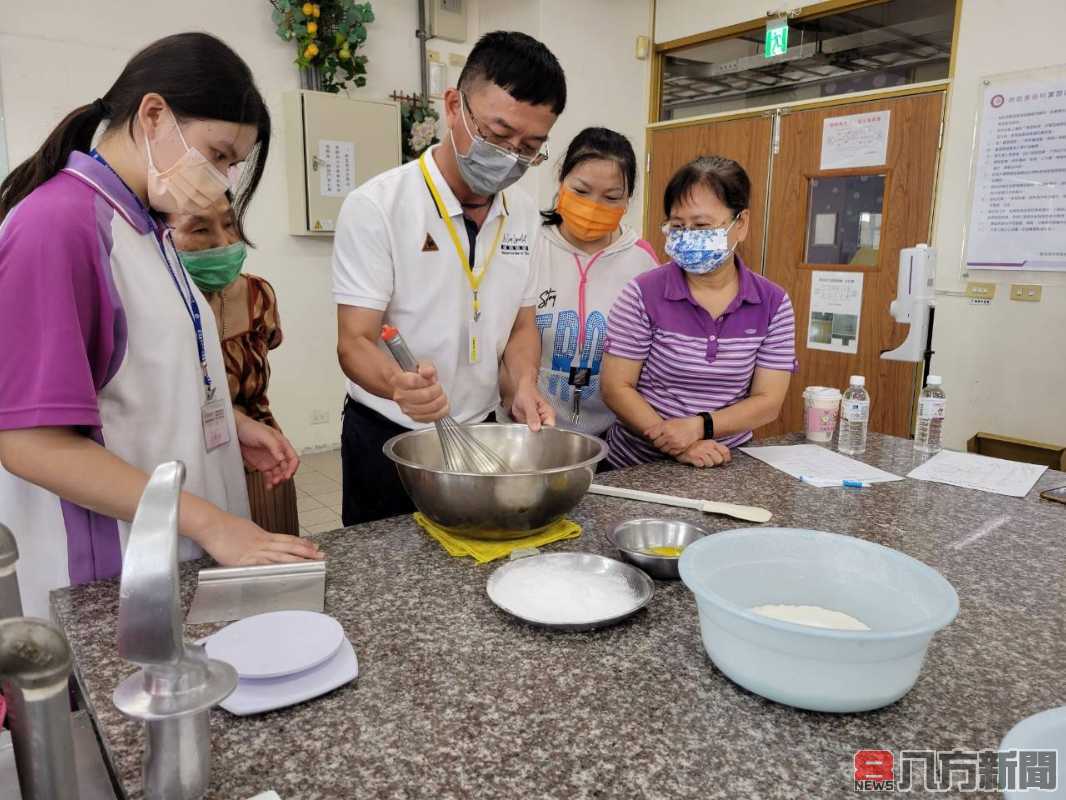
(857, 140)
(1018, 197)
(336, 167)
(836, 308)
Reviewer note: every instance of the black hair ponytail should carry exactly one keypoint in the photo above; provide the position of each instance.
(592, 144)
(75, 132)
(198, 75)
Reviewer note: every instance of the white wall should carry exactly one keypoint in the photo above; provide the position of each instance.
(1003, 364)
(56, 56)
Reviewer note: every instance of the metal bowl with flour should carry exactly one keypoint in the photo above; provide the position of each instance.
(551, 471)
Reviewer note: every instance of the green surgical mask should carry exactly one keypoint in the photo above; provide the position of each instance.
(215, 268)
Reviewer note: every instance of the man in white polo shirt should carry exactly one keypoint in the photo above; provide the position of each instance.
(438, 249)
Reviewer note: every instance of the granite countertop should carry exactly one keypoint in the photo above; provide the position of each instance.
(457, 700)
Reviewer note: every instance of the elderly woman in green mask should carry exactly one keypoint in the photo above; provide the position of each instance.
(213, 250)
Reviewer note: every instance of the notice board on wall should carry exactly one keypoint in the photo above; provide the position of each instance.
(1018, 188)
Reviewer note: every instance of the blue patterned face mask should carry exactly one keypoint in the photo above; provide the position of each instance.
(700, 250)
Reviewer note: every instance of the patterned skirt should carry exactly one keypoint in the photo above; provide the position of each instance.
(273, 510)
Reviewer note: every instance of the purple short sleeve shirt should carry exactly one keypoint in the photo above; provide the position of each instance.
(95, 337)
(693, 362)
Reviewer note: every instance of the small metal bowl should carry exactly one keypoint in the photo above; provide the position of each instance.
(632, 538)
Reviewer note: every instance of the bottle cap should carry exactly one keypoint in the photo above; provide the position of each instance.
(934, 380)
(858, 380)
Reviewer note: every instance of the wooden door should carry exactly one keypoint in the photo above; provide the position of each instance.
(907, 178)
(747, 141)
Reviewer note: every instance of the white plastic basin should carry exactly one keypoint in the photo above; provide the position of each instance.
(902, 600)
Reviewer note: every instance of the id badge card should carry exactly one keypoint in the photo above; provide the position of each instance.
(216, 432)
(473, 336)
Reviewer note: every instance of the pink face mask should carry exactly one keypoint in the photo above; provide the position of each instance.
(190, 186)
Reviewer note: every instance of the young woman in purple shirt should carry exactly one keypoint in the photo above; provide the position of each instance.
(111, 362)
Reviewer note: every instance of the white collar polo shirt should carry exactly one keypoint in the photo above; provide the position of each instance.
(393, 253)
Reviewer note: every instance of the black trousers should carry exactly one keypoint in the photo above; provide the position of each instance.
(371, 485)
(372, 488)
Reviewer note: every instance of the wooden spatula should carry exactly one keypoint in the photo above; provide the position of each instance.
(747, 513)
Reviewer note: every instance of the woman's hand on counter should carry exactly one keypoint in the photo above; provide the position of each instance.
(675, 436)
(78, 469)
(706, 453)
(236, 542)
(266, 450)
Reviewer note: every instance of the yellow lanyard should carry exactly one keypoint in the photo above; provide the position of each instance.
(472, 277)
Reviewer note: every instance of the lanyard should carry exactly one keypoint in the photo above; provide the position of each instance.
(187, 298)
(473, 277)
(581, 284)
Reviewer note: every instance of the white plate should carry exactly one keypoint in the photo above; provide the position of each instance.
(256, 696)
(276, 644)
(590, 566)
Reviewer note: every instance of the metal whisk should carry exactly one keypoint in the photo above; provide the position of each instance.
(462, 452)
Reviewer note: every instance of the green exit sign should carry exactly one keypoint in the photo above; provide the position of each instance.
(776, 38)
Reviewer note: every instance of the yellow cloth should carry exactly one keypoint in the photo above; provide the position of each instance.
(484, 551)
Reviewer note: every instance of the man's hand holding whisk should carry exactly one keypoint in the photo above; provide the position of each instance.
(419, 394)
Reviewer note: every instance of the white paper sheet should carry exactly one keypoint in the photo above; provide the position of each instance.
(836, 308)
(818, 463)
(825, 229)
(336, 168)
(857, 140)
(982, 473)
(1018, 194)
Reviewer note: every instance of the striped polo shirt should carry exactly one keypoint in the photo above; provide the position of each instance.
(693, 362)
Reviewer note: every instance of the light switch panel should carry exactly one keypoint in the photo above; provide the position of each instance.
(1027, 292)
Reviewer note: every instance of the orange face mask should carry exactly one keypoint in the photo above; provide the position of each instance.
(587, 219)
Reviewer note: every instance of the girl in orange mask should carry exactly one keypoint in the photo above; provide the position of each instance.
(585, 257)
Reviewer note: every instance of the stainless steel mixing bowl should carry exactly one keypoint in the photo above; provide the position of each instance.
(552, 472)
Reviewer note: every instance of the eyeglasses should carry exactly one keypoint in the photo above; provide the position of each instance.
(670, 227)
(528, 155)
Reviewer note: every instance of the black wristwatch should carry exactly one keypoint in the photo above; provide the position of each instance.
(708, 424)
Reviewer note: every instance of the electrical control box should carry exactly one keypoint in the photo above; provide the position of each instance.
(447, 19)
(334, 144)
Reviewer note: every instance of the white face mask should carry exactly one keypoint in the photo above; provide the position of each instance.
(486, 169)
(190, 186)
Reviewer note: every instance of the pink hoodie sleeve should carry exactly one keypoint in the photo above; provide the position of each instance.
(647, 248)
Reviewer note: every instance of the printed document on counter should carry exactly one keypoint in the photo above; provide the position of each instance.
(985, 474)
(819, 464)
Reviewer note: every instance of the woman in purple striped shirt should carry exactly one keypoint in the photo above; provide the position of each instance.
(700, 351)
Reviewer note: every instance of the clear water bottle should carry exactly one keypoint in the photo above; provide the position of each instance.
(928, 432)
(854, 417)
